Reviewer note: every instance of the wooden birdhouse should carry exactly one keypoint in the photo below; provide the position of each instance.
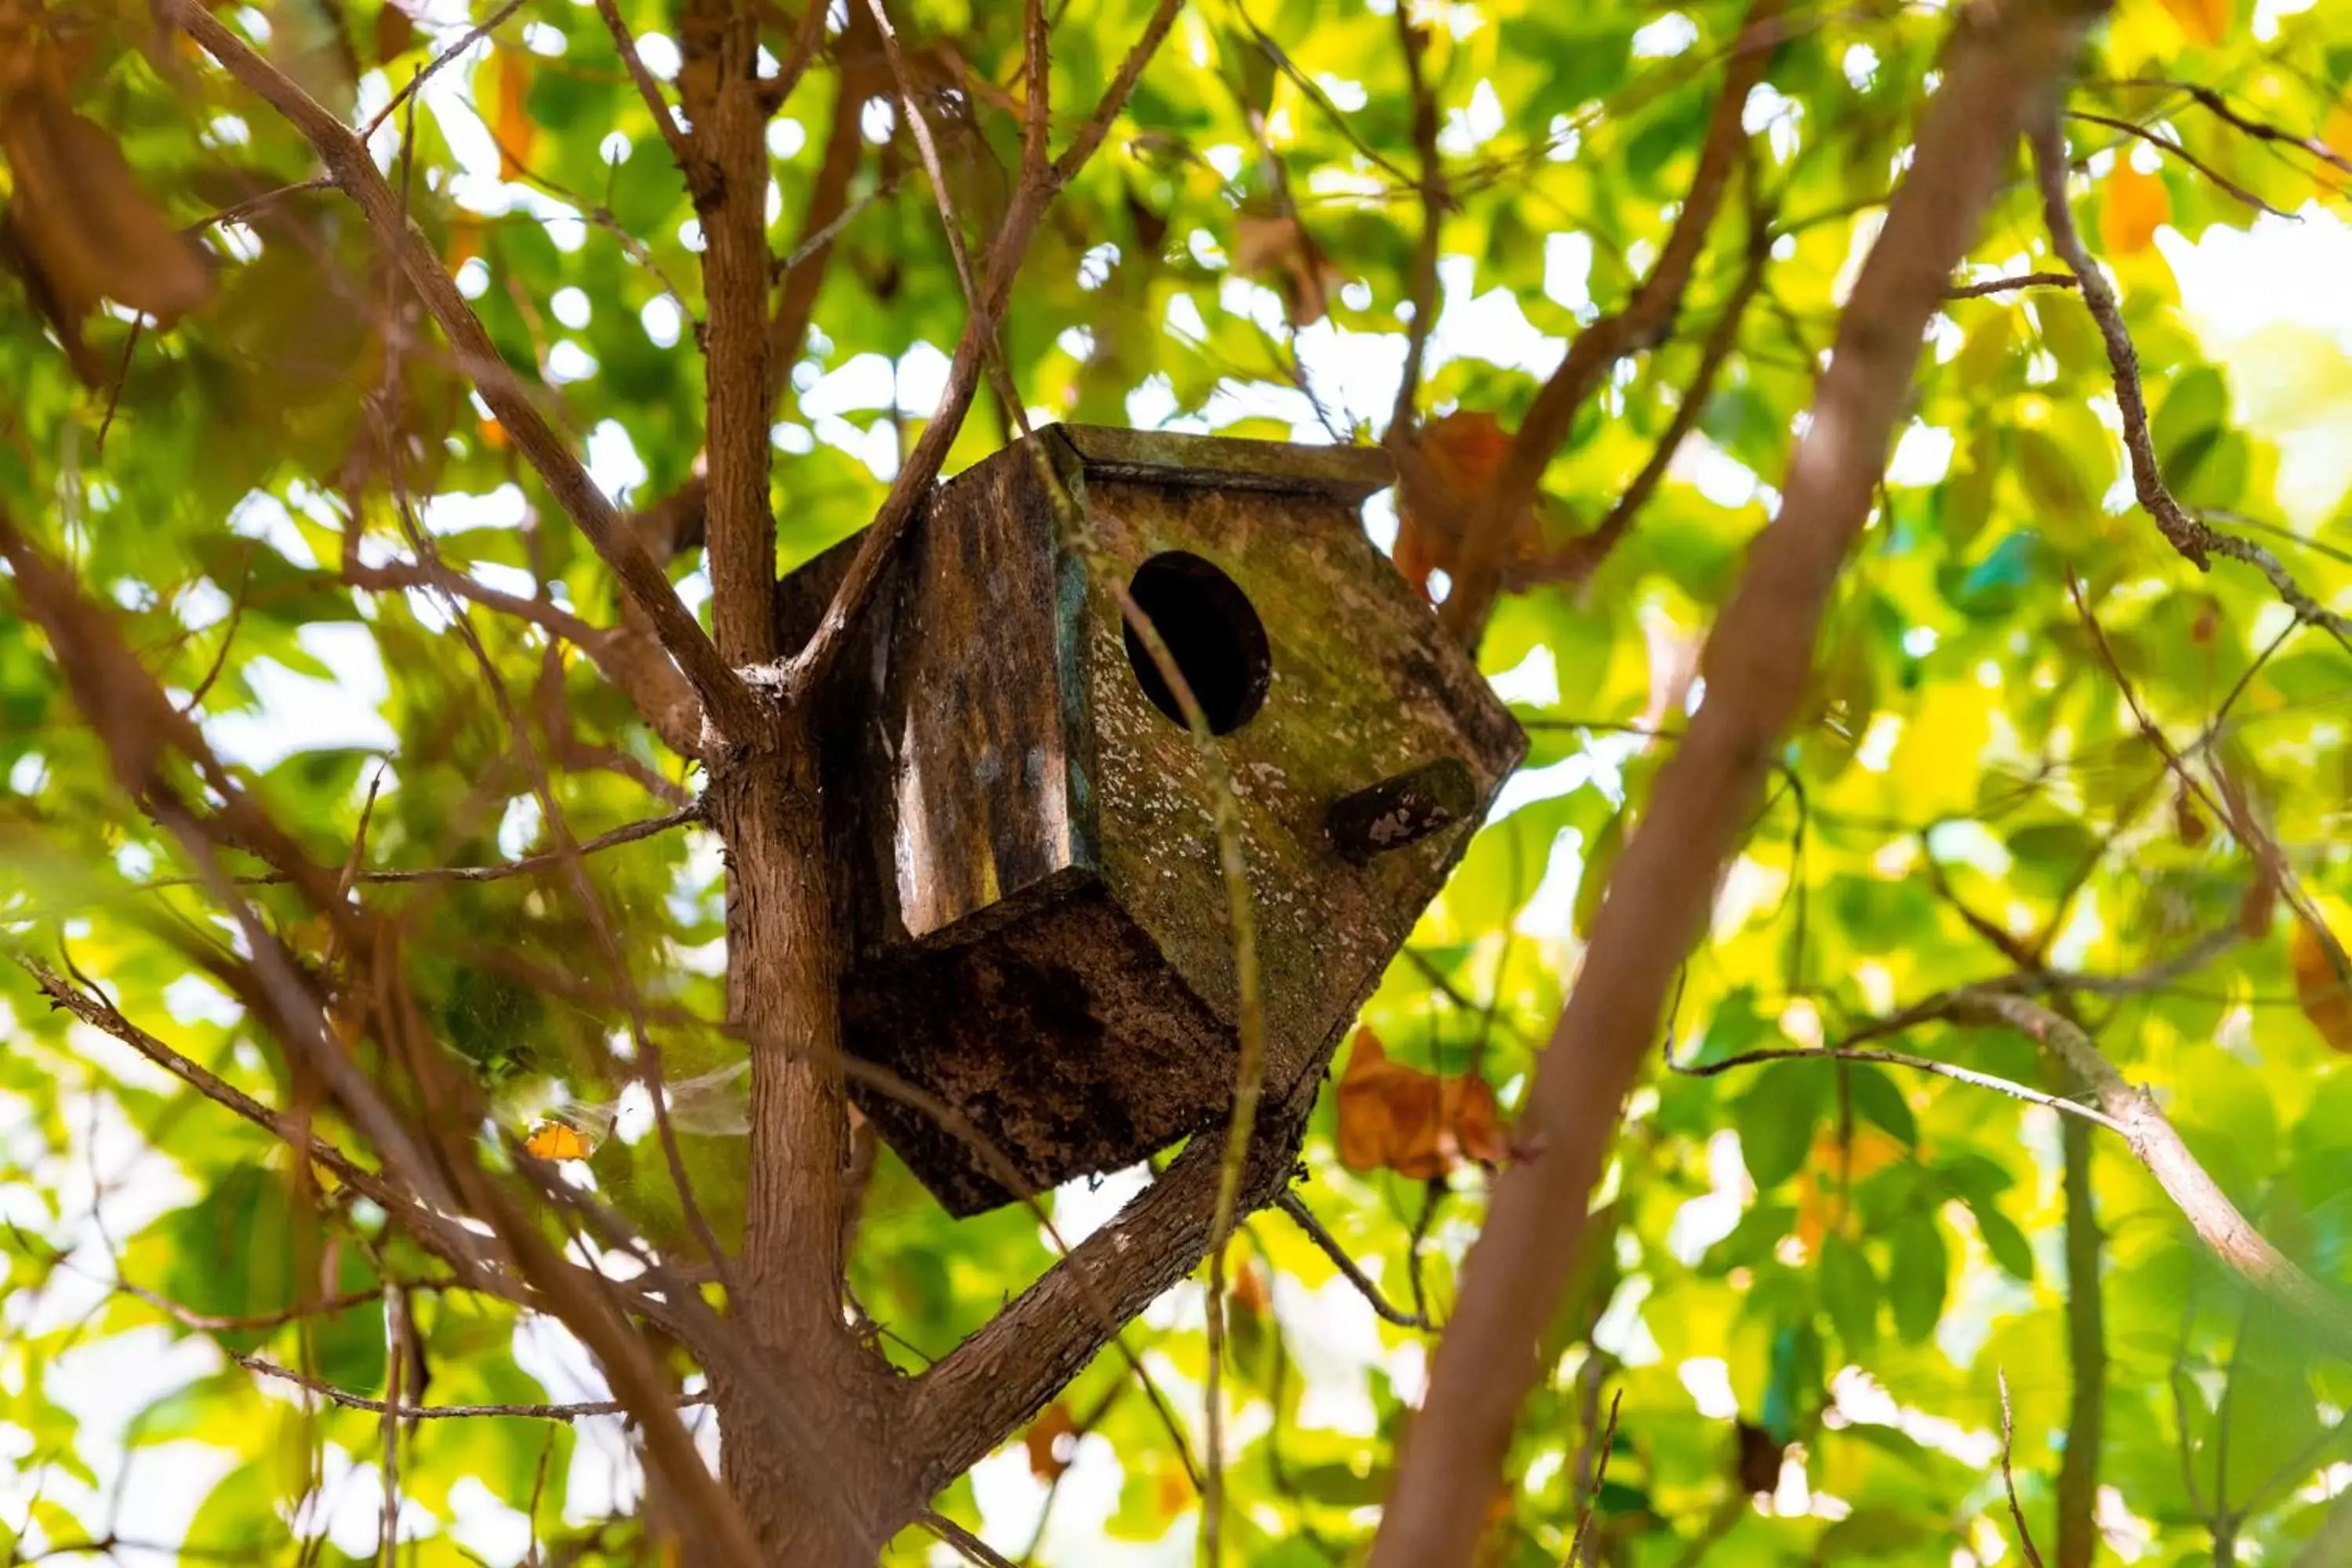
(1021, 828)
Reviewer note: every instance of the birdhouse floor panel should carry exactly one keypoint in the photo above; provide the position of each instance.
(1060, 1041)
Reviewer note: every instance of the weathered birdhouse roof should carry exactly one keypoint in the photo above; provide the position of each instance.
(1347, 474)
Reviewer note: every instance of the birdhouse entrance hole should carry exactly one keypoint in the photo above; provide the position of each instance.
(1214, 637)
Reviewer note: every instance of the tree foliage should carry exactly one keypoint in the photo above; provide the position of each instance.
(338, 738)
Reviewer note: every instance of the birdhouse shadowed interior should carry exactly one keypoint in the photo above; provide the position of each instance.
(1020, 823)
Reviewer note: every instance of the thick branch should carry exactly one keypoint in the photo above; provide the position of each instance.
(726, 699)
(989, 1386)
(1995, 70)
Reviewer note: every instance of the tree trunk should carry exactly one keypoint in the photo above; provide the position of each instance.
(814, 1477)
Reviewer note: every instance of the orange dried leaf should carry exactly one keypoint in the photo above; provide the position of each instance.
(1249, 1291)
(553, 1140)
(2136, 206)
(395, 30)
(2320, 983)
(1051, 1441)
(1442, 482)
(2205, 21)
(1397, 1118)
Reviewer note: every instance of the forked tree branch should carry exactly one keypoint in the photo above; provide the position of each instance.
(1643, 323)
(1031, 197)
(726, 700)
(1999, 66)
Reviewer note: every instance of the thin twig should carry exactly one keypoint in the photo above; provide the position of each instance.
(265, 1367)
(474, 34)
(970, 1547)
(1901, 1059)
(1600, 1474)
(1290, 1204)
(2021, 280)
(2260, 131)
(2008, 1481)
(628, 834)
(2166, 144)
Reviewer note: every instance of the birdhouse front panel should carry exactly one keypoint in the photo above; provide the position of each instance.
(1326, 676)
(1022, 828)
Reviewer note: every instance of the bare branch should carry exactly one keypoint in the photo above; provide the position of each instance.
(2004, 284)
(2260, 130)
(2193, 538)
(729, 701)
(2153, 1142)
(690, 165)
(994, 1383)
(1435, 200)
(1995, 70)
(1952, 1070)
(922, 465)
(1130, 72)
(1575, 561)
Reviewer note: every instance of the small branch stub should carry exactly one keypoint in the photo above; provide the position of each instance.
(1402, 809)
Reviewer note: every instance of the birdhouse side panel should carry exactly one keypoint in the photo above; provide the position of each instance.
(973, 713)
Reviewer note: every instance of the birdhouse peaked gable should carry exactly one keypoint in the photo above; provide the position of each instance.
(1021, 825)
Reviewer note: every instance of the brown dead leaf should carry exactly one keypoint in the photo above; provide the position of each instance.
(1277, 248)
(395, 30)
(1417, 1124)
(1051, 1441)
(1444, 471)
(80, 230)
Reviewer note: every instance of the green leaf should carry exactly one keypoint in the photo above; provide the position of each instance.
(1775, 1119)
(1850, 1293)
(1918, 1276)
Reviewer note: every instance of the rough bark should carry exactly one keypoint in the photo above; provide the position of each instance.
(1998, 67)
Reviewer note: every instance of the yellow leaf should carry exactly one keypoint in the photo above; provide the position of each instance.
(2136, 206)
(2337, 136)
(2205, 21)
(2320, 983)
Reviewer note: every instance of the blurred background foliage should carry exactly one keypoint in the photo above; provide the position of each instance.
(1787, 1349)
